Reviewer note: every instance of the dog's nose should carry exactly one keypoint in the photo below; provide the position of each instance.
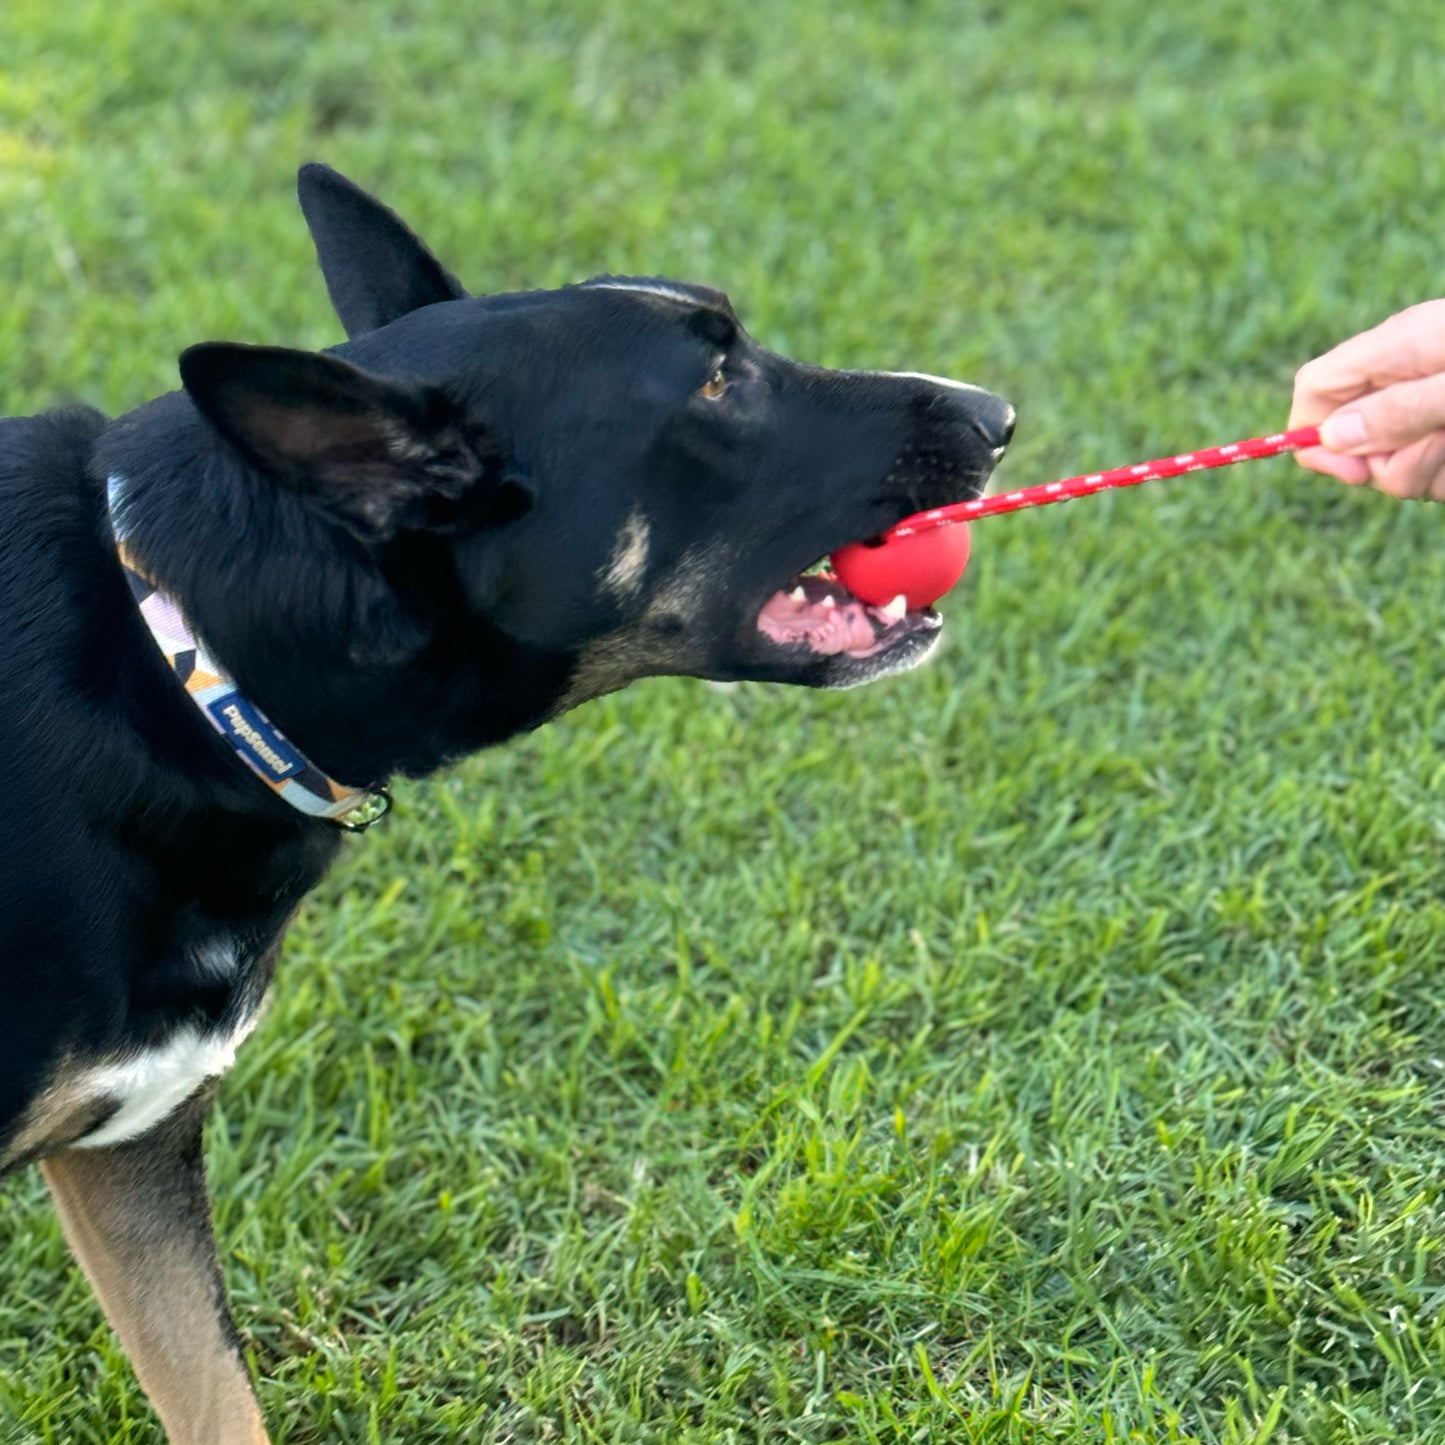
(993, 419)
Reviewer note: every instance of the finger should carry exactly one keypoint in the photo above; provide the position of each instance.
(1387, 420)
(1322, 386)
(1407, 346)
(1355, 470)
(1415, 471)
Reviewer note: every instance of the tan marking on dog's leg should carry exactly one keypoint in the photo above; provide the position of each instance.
(63, 1112)
(138, 1219)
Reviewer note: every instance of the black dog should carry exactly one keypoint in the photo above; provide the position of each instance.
(472, 516)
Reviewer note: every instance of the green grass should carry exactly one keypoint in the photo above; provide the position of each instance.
(1043, 1047)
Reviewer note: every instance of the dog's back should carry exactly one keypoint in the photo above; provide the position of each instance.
(49, 542)
(51, 511)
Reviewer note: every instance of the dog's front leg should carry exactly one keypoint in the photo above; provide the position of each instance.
(138, 1219)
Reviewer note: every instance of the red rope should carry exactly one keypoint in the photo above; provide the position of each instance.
(1071, 487)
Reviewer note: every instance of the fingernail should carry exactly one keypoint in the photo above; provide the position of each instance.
(1343, 432)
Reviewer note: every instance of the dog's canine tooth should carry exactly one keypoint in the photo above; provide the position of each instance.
(828, 600)
(797, 595)
(896, 610)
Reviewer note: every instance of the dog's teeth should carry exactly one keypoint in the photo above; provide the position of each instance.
(829, 600)
(797, 595)
(896, 610)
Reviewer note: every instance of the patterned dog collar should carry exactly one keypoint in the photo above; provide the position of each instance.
(252, 736)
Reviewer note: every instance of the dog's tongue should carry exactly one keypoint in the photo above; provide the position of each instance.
(827, 627)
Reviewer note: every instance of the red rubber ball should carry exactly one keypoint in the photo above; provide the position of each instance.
(922, 567)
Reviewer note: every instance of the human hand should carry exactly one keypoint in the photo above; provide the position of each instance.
(1379, 400)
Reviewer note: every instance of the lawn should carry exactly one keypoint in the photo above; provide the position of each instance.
(1043, 1047)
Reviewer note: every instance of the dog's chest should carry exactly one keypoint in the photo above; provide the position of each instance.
(99, 1095)
(145, 1087)
(140, 1086)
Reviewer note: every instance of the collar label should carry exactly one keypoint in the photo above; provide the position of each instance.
(244, 727)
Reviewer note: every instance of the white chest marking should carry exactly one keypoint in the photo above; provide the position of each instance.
(148, 1085)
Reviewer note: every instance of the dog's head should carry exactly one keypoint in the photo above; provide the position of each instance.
(614, 477)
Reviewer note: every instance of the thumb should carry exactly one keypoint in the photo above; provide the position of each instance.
(1388, 419)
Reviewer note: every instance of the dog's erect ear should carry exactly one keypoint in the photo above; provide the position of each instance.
(378, 456)
(376, 269)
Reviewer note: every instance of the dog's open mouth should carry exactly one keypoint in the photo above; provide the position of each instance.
(815, 614)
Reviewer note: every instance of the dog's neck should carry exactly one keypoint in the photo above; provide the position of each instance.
(251, 735)
(373, 667)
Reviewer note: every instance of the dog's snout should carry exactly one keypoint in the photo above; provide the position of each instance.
(993, 419)
(967, 409)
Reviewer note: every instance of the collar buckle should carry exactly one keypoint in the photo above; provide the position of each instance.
(372, 808)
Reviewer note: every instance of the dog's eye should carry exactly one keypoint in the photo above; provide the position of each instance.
(715, 385)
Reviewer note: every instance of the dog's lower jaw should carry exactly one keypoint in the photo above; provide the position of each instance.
(845, 672)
